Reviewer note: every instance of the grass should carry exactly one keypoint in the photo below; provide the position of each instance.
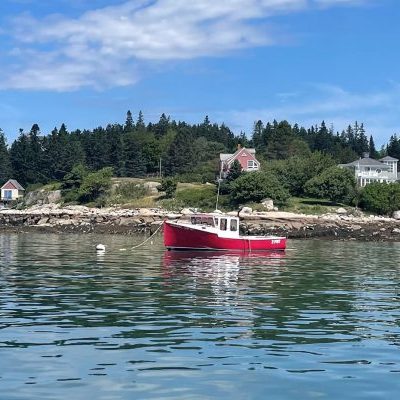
(308, 205)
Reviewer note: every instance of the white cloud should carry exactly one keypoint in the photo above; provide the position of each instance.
(377, 110)
(108, 46)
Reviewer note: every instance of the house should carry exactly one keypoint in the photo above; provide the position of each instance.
(246, 158)
(12, 191)
(368, 170)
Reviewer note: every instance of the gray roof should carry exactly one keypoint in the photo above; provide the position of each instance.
(367, 162)
(15, 183)
(388, 158)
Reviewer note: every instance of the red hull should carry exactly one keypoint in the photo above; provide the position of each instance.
(184, 237)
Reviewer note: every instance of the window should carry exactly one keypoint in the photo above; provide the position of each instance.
(222, 224)
(251, 164)
(234, 225)
(8, 194)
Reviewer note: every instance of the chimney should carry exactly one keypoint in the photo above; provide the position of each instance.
(239, 146)
(366, 155)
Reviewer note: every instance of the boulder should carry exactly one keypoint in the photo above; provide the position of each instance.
(341, 211)
(246, 210)
(396, 214)
(268, 204)
(186, 211)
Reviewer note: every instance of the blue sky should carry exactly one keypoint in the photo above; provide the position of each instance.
(85, 63)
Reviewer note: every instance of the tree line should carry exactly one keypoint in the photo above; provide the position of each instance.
(187, 151)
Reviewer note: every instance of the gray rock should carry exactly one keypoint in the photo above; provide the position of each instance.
(268, 204)
(396, 214)
(246, 210)
(341, 211)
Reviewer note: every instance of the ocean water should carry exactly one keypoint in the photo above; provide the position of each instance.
(318, 321)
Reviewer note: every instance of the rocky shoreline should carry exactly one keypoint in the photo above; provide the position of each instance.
(52, 218)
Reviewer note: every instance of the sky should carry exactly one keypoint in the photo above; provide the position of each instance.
(85, 63)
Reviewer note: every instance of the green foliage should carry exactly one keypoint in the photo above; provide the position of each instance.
(168, 185)
(73, 179)
(234, 171)
(336, 184)
(381, 198)
(95, 185)
(256, 186)
(5, 165)
(126, 192)
(203, 197)
(296, 171)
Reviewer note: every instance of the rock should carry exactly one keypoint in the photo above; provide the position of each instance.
(396, 230)
(396, 214)
(186, 211)
(152, 187)
(246, 210)
(341, 211)
(268, 204)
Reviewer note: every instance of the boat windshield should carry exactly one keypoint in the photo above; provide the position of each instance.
(209, 221)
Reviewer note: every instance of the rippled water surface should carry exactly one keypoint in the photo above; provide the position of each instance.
(319, 321)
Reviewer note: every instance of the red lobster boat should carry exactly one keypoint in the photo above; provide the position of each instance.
(215, 232)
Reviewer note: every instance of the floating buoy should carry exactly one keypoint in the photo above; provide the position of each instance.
(100, 247)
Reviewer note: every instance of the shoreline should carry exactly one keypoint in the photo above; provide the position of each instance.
(51, 218)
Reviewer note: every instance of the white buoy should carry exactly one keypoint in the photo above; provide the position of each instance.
(100, 247)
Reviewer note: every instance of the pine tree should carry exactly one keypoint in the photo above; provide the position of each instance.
(181, 157)
(5, 166)
(372, 149)
(129, 122)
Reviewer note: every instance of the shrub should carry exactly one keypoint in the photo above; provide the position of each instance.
(336, 184)
(203, 197)
(95, 185)
(168, 185)
(381, 198)
(130, 190)
(256, 186)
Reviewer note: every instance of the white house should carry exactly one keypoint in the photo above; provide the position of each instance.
(368, 170)
(12, 190)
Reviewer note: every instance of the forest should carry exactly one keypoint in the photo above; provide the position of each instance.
(296, 162)
(186, 151)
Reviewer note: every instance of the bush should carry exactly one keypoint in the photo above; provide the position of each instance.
(256, 186)
(130, 190)
(336, 184)
(168, 185)
(381, 198)
(203, 197)
(95, 185)
(296, 171)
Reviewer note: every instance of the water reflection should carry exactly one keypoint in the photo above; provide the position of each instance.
(155, 324)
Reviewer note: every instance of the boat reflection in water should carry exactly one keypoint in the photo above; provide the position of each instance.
(226, 273)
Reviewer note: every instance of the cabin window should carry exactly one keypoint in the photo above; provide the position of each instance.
(8, 194)
(223, 224)
(234, 225)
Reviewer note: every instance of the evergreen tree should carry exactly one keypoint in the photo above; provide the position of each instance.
(140, 125)
(129, 124)
(181, 154)
(134, 165)
(5, 166)
(372, 149)
(234, 171)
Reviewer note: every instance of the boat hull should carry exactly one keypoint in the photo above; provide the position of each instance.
(184, 238)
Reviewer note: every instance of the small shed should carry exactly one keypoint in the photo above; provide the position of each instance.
(12, 191)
